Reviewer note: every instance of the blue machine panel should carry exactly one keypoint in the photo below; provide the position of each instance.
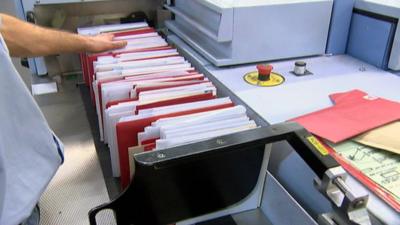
(370, 39)
(339, 27)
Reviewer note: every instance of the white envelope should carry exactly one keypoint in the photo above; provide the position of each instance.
(144, 70)
(134, 47)
(205, 127)
(184, 107)
(94, 30)
(136, 36)
(191, 120)
(146, 54)
(176, 108)
(182, 92)
(168, 143)
(139, 63)
(156, 69)
(140, 76)
(119, 108)
(124, 57)
(203, 117)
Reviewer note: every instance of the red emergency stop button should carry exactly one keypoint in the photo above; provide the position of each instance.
(264, 71)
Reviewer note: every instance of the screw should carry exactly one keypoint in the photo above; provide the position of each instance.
(359, 203)
(220, 141)
(161, 155)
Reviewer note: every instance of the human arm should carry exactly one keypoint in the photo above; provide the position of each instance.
(24, 39)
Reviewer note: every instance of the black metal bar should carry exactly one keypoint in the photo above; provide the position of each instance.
(188, 181)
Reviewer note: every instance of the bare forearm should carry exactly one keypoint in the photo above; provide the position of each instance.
(25, 39)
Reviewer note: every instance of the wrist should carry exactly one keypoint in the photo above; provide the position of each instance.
(86, 43)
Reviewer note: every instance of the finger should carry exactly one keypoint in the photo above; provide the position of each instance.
(119, 44)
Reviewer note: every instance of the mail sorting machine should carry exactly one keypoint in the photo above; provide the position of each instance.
(351, 59)
(226, 180)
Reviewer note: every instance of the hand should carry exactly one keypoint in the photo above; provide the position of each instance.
(102, 43)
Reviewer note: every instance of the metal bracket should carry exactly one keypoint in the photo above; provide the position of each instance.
(349, 207)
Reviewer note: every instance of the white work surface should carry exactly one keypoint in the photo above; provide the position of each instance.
(301, 95)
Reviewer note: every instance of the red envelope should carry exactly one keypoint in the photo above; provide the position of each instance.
(142, 30)
(174, 101)
(149, 141)
(354, 113)
(149, 145)
(127, 136)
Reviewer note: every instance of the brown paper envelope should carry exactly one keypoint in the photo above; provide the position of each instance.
(386, 137)
(132, 151)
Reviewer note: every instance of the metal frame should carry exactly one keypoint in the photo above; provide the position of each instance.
(187, 181)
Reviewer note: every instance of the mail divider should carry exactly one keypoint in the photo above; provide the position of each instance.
(148, 98)
(188, 181)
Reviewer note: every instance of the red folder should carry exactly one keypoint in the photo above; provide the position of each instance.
(172, 85)
(350, 118)
(83, 66)
(127, 136)
(346, 97)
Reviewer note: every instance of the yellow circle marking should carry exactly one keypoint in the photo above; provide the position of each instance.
(274, 80)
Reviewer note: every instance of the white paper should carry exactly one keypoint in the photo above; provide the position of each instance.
(168, 143)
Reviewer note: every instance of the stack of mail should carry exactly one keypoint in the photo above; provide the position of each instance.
(362, 132)
(139, 36)
(354, 113)
(148, 97)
